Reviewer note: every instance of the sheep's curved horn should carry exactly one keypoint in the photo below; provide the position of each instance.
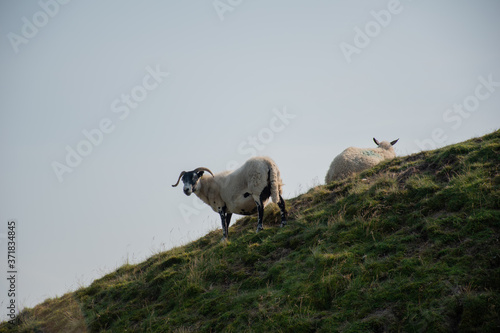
(178, 180)
(394, 142)
(203, 169)
(376, 142)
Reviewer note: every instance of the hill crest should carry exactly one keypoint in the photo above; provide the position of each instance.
(409, 245)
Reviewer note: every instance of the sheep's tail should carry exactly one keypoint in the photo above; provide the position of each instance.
(275, 182)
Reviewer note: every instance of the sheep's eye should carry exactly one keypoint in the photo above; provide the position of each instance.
(190, 178)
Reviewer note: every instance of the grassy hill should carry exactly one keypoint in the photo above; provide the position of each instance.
(411, 245)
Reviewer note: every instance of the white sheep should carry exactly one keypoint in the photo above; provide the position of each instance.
(243, 191)
(353, 160)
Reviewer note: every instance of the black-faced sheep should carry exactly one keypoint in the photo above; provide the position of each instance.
(244, 191)
(353, 160)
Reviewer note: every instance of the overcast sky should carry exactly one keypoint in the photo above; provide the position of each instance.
(104, 103)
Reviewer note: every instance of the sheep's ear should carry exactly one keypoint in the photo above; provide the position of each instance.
(394, 142)
(376, 142)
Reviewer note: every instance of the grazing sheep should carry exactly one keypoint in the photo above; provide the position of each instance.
(243, 191)
(354, 160)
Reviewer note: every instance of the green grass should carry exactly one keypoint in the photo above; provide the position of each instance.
(411, 245)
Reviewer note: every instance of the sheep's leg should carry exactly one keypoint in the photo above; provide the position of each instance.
(260, 208)
(223, 218)
(282, 206)
(228, 220)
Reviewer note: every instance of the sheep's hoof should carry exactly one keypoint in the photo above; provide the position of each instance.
(259, 228)
(283, 224)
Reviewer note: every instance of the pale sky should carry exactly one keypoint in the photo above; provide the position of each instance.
(104, 103)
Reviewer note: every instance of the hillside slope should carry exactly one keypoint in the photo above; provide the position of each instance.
(411, 245)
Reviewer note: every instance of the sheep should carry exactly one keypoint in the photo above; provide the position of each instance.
(354, 160)
(243, 191)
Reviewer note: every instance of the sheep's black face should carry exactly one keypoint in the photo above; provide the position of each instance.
(190, 180)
